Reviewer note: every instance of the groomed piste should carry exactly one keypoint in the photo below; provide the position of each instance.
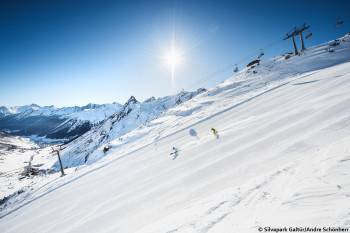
(281, 159)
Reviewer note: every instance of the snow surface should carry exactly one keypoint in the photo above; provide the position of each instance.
(15, 154)
(281, 159)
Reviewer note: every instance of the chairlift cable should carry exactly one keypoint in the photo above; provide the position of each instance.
(220, 71)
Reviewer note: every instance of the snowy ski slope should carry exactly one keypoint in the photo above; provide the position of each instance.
(15, 154)
(282, 159)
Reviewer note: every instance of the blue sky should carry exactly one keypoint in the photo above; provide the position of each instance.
(70, 53)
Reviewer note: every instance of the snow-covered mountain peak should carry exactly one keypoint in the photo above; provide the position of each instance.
(34, 106)
(151, 99)
(131, 100)
(91, 106)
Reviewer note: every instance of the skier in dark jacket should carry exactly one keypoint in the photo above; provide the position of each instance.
(175, 150)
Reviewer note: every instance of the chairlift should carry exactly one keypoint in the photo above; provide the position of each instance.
(261, 53)
(340, 22)
(236, 69)
(309, 34)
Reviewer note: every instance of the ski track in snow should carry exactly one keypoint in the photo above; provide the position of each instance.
(260, 197)
(282, 160)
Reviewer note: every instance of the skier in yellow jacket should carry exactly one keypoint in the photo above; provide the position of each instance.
(215, 132)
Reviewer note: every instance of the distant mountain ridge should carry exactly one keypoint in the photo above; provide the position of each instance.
(51, 124)
(48, 123)
(35, 109)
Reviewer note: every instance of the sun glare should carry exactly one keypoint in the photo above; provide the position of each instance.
(173, 58)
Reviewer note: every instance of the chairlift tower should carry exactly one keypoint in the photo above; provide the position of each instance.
(297, 31)
(59, 158)
(291, 35)
(300, 32)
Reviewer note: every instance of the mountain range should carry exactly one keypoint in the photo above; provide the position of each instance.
(49, 124)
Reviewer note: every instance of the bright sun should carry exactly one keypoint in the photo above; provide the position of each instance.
(173, 58)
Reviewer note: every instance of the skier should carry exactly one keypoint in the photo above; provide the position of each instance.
(215, 132)
(176, 151)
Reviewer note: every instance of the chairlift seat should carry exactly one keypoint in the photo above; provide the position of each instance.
(308, 36)
(338, 24)
(254, 62)
(261, 54)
